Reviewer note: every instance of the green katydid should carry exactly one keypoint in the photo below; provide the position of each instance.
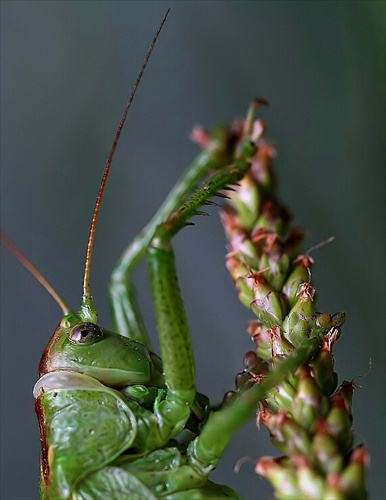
(109, 410)
(102, 394)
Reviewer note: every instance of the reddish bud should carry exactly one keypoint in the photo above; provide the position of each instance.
(267, 305)
(200, 136)
(281, 347)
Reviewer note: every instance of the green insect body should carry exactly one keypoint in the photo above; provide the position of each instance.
(109, 410)
(116, 421)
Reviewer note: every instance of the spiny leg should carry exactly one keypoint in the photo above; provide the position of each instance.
(172, 410)
(176, 349)
(126, 315)
(173, 330)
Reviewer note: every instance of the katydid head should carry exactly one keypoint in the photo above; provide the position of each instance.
(88, 348)
(81, 345)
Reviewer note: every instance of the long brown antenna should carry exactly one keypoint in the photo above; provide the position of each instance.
(34, 271)
(90, 243)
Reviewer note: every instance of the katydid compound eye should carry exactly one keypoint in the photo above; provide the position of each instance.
(85, 333)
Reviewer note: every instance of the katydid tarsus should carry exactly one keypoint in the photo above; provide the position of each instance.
(109, 410)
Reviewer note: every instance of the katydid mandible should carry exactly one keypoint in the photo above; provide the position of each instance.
(116, 421)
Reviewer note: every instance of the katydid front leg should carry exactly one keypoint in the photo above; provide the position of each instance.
(174, 335)
(172, 411)
(126, 315)
(172, 325)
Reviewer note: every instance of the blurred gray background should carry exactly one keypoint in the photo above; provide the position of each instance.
(67, 69)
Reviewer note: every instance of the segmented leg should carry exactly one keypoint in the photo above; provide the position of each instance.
(172, 326)
(126, 315)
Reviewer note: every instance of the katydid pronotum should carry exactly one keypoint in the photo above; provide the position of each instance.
(109, 410)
